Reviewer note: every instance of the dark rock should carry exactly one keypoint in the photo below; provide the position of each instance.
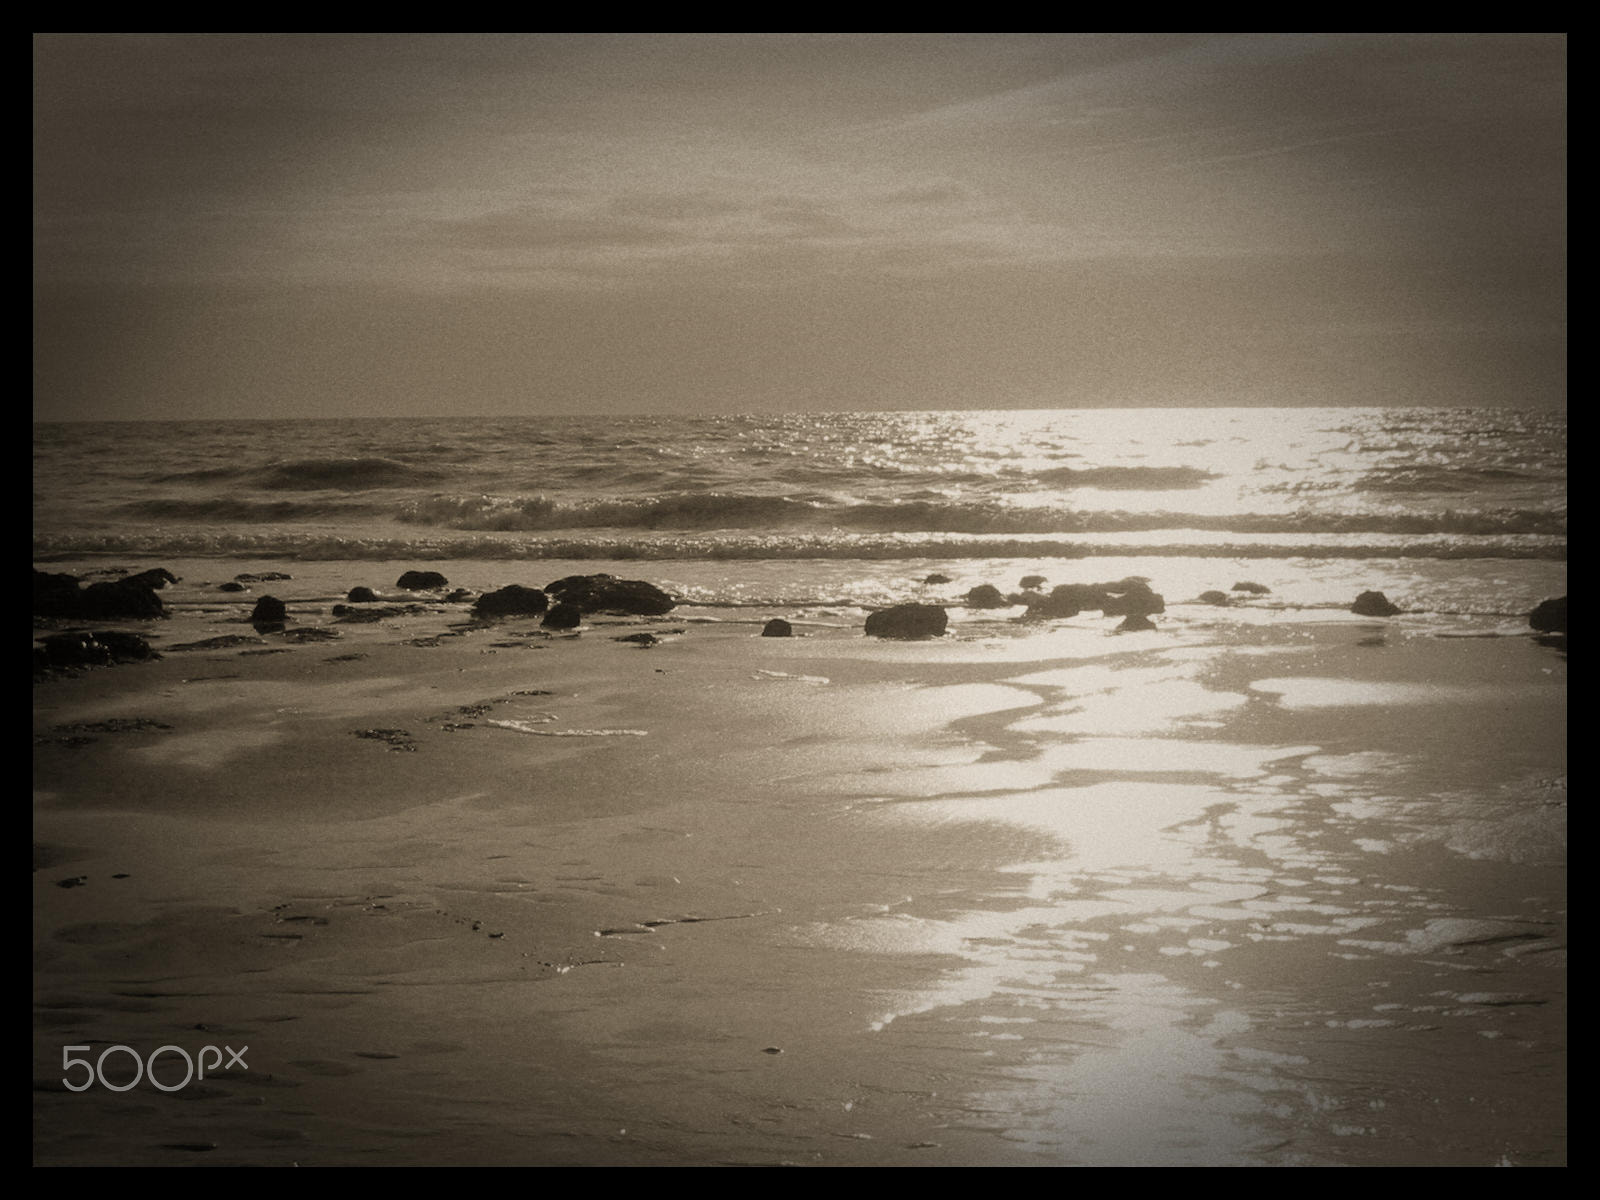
(986, 595)
(908, 621)
(1550, 616)
(777, 627)
(608, 594)
(416, 581)
(114, 601)
(362, 595)
(232, 587)
(1135, 623)
(643, 640)
(1130, 598)
(459, 596)
(268, 609)
(937, 578)
(512, 600)
(1255, 589)
(1220, 599)
(1064, 600)
(1125, 598)
(1031, 583)
(81, 648)
(263, 577)
(155, 578)
(55, 594)
(1373, 604)
(562, 616)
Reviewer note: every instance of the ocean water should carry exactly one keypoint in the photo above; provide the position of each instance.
(1460, 511)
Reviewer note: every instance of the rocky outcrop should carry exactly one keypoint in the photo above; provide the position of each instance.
(82, 648)
(562, 615)
(986, 595)
(1373, 604)
(417, 581)
(1124, 598)
(155, 578)
(1550, 616)
(777, 627)
(908, 621)
(1130, 598)
(608, 594)
(269, 610)
(361, 595)
(59, 595)
(513, 600)
(1031, 583)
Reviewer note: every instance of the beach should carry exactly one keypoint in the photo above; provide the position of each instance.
(1263, 886)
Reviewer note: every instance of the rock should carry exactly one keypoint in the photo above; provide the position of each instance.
(156, 578)
(268, 610)
(1255, 589)
(512, 600)
(1031, 583)
(777, 627)
(416, 581)
(81, 648)
(124, 598)
(986, 595)
(263, 577)
(459, 596)
(1220, 599)
(1550, 616)
(232, 587)
(1135, 623)
(1125, 598)
(1373, 604)
(57, 595)
(642, 640)
(1064, 600)
(608, 594)
(908, 621)
(54, 594)
(361, 595)
(1130, 598)
(937, 578)
(562, 615)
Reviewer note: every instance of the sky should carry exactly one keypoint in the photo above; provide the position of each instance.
(302, 225)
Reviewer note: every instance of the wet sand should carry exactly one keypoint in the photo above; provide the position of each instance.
(1273, 893)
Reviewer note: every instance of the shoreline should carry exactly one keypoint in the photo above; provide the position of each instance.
(1274, 885)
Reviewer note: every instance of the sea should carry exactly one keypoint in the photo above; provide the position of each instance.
(1459, 515)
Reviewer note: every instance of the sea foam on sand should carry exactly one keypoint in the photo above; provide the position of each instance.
(1226, 893)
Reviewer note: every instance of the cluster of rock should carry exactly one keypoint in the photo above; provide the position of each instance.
(565, 602)
(133, 598)
(89, 648)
